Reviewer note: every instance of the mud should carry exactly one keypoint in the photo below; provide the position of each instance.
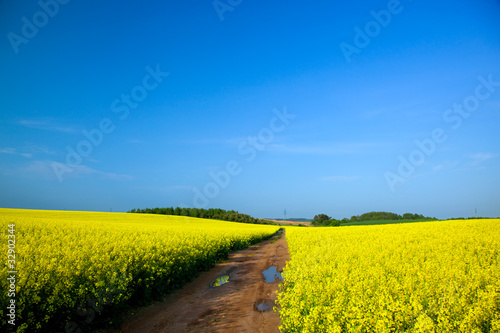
(243, 304)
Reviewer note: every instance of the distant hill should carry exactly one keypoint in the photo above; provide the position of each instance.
(370, 218)
(212, 213)
(292, 219)
(381, 216)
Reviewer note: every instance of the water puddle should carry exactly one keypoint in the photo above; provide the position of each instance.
(264, 305)
(220, 280)
(270, 274)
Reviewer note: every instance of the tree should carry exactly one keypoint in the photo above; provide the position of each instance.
(194, 212)
(320, 219)
(212, 213)
(334, 223)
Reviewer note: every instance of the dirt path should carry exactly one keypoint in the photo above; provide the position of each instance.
(232, 307)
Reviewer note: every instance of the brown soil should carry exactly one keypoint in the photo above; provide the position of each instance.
(306, 224)
(232, 307)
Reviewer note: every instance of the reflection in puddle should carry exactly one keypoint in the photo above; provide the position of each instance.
(219, 281)
(262, 307)
(270, 274)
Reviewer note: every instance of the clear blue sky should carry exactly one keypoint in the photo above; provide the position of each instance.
(353, 96)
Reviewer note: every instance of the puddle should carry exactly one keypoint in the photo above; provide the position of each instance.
(264, 305)
(220, 280)
(270, 274)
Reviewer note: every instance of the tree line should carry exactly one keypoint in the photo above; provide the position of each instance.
(212, 213)
(325, 220)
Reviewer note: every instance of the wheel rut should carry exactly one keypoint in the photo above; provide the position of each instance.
(243, 304)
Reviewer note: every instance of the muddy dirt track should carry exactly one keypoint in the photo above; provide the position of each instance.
(232, 307)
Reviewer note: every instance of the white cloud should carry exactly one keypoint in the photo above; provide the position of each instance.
(47, 125)
(472, 161)
(28, 151)
(445, 166)
(13, 151)
(327, 149)
(83, 170)
(43, 169)
(39, 149)
(477, 159)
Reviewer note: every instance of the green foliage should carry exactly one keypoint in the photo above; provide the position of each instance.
(320, 220)
(212, 213)
(323, 220)
(367, 218)
(334, 223)
(373, 216)
(380, 216)
(386, 222)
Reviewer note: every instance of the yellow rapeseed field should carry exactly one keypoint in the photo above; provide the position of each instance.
(419, 277)
(76, 268)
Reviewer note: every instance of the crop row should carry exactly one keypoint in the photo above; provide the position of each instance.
(77, 269)
(421, 277)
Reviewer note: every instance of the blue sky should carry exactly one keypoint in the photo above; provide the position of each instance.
(336, 108)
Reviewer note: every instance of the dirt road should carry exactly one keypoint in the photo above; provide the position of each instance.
(244, 304)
